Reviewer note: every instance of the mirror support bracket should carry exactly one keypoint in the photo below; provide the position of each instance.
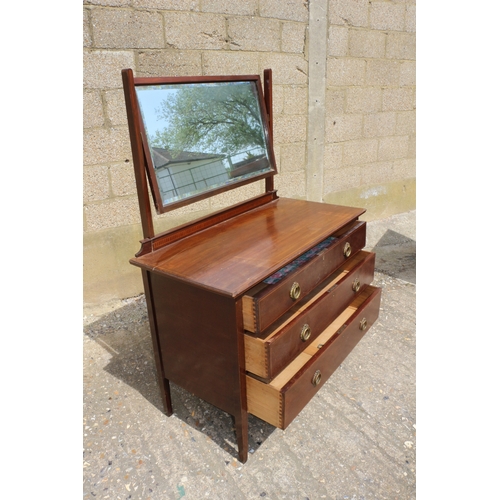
(137, 153)
(268, 99)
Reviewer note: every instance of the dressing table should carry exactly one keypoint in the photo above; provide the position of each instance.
(253, 307)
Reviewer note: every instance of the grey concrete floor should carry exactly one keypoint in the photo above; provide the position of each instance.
(354, 440)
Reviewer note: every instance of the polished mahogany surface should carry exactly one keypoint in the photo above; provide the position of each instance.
(231, 257)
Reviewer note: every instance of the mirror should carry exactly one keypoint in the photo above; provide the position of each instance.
(202, 138)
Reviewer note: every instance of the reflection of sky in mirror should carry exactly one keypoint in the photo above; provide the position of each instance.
(150, 99)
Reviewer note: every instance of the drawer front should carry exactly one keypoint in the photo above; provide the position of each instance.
(269, 302)
(269, 353)
(281, 400)
(285, 346)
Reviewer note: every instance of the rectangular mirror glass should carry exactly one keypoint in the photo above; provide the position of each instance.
(203, 137)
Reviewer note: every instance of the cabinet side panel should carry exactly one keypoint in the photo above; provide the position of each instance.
(198, 335)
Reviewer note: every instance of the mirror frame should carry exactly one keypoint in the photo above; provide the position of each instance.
(151, 174)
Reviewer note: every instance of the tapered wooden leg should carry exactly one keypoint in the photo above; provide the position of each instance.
(241, 424)
(163, 383)
(165, 396)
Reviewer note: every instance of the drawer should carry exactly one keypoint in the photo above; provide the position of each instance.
(267, 353)
(281, 400)
(266, 302)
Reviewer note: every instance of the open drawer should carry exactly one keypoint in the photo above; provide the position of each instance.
(267, 301)
(281, 400)
(267, 353)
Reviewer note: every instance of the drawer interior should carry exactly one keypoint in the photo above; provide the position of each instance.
(278, 401)
(269, 351)
(267, 301)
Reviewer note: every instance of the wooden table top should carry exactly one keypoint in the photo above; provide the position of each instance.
(234, 255)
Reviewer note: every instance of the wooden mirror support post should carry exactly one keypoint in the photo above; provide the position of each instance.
(253, 307)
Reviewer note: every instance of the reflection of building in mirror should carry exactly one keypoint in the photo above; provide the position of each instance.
(203, 136)
(189, 173)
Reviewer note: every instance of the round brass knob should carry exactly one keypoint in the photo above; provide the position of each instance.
(356, 285)
(316, 378)
(305, 333)
(347, 249)
(295, 291)
(363, 324)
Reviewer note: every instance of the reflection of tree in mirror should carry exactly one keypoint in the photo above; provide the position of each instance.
(211, 118)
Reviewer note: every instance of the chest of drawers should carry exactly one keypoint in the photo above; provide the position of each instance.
(253, 308)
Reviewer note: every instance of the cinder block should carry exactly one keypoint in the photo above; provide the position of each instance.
(289, 128)
(190, 30)
(293, 10)
(187, 5)
(127, 29)
(87, 38)
(236, 195)
(102, 69)
(333, 156)
(412, 146)
(93, 114)
(393, 148)
(293, 37)
(345, 71)
(295, 100)
(408, 74)
(115, 107)
(364, 43)
(292, 157)
(363, 99)
(410, 22)
(230, 63)
(398, 99)
(360, 152)
(95, 183)
(122, 179)
(338, 41)
(348, 12)
(291, 184)
(102, 145)
(278, 99)
(341, 179)
(405, 169)
(253, 34)
(334, 102)
(406, 122)
(109, 3)
(343, 128)
(288, 69)
(241, 8)
(380, 124)
(168, 63)
(382, 72)
(112, 213)
(387, 16)
(377, 173)
(401, 46)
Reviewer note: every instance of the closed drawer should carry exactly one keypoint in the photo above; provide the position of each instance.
(267, 353)
(266, 302)
(281, 400)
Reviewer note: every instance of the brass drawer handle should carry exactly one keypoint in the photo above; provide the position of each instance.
(363, 324)
(295, 291)
(347, 249)
(305, 333)
(316, 378)
(356, 285)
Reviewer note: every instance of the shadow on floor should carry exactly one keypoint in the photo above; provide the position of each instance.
(396, 256)
(124, 333)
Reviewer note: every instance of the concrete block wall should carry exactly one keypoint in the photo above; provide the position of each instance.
(343, 99)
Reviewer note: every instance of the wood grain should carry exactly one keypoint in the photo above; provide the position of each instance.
(231, 257)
